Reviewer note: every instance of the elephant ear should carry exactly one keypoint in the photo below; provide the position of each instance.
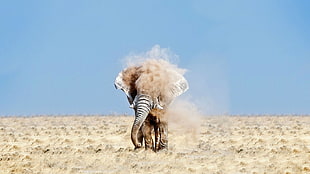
(175, 89)
(121, 84)
(179, 86)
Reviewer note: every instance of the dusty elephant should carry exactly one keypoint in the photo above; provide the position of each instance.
(150, 87)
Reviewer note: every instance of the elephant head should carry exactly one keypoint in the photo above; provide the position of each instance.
(149, 88)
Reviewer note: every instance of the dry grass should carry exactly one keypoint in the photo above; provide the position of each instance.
(75, 144)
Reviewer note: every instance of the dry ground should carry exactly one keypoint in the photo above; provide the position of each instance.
(97, 144)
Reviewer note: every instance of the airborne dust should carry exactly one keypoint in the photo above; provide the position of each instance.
(156, 73)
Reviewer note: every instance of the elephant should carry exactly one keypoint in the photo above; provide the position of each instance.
(150, 88)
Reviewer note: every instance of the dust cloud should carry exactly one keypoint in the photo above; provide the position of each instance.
(153, 73)
(184, 120)
(156, 52)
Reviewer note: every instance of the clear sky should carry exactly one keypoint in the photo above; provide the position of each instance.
(243, 57)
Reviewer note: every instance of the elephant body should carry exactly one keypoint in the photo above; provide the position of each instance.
(150, 88)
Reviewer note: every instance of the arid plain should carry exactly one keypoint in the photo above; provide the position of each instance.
(101, 144)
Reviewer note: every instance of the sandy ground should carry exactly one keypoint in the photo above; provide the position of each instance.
(97, 144)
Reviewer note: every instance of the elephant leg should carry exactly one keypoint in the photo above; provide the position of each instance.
(163, 129)
(147, 134)
(160, 129)
(157, 137)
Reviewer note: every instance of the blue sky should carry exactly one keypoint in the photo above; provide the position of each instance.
(243, 57)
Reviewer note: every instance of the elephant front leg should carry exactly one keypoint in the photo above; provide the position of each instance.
(147, 134)
(157, 137)
(163, 129)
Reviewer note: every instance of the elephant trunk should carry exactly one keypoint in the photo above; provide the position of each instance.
(142, 109)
